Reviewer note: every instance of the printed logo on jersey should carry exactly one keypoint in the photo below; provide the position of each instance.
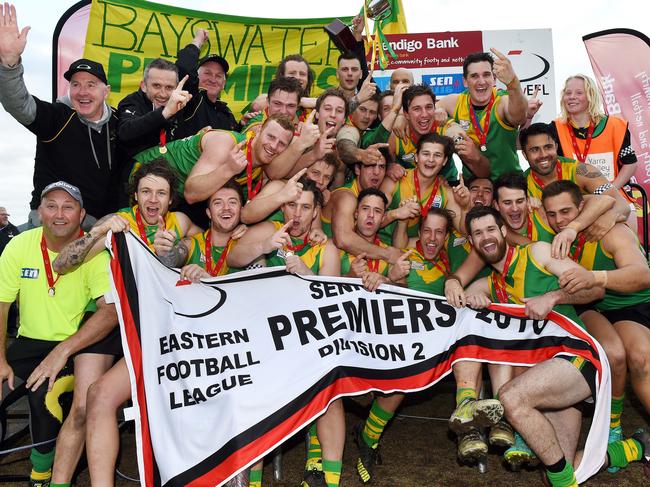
(28, 273)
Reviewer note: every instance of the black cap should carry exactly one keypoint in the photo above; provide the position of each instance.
(215, 59)
(92, 67)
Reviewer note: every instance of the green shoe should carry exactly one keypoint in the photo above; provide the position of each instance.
(615, 434)
(474, 413)
(519, 454)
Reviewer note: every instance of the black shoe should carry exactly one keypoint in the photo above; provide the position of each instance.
(40, 483)
(314, 478)
(643, 437)
(368, 456)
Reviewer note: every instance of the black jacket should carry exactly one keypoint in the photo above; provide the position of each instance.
(71, 151)
(7, 232)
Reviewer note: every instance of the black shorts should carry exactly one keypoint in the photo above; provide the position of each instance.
(586, 368)
(111, 344)
(24, 355)
(581, 308)
(639, 313)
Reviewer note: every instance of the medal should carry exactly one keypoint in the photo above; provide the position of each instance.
(163, 142)
(483, 148)
(424, 210)
(288, 253)
(51, 282)
(51, 292)
(481, 132)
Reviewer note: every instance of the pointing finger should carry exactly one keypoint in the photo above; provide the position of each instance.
(405, 255)
(161, 223)
(497, 53)
(310, 117)
(536, 91)
(182, 82)
(298, 175)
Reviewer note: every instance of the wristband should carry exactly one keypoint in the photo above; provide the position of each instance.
(601, 278)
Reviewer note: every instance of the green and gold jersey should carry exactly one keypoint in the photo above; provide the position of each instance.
(428, 276)
(347, 259)
(458, 248)
(197, 254)
(171, 223)
(352, 187)
(404, 190)
(536, 229)
(311, 254)
(566, 168)
(527, 278)
(501, 140)
(592, 256)
(405, 150)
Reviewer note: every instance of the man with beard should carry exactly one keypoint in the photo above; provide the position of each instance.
(50, 336)
(75, 136)
(529, 275)
(621, 319)
(539, 146)
(423, 187)
(490, 117)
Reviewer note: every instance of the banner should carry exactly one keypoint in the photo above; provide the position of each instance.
(223, 372)
(436, 59)
(620, 59)
(125, 35)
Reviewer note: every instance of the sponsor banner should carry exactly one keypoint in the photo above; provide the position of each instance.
(620, 59)
(69, 38)
(436, 59)
(126, 35)
(219, 380)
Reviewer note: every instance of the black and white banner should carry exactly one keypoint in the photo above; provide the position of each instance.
(223, 372)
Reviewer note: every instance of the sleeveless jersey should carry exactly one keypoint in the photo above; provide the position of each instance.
(171, 223)
(458, 248)
(352, 187)
(311, 254)
(537, 229)
(595, 258)
(568, 171)
(501, 138)
(197, 254)
(425, 275)
(405, 189)
(347, 259)
(526, 278)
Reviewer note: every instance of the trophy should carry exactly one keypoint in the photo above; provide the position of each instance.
(340, 33)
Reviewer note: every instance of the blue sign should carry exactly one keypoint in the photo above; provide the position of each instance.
(444, 84)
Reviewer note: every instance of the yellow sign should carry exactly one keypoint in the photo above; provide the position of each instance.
(126, 35)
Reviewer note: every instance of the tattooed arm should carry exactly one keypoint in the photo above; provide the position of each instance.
(592, 181)
(178, 254)
(85, 248)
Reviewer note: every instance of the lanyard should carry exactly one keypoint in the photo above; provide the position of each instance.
(481, 132)
(249, 171)
(499, 280)
(580, 244)
(582, 156)
(415, 138)
(442, 258)
(163, 141)
(425, 209)
(49, 274)
(529, 228)
(558, 172)
(214, 271)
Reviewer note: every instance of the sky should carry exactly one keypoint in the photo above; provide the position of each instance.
(569, 21)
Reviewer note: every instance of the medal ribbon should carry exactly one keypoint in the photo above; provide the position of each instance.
(425, 209)
(481, 132)
(141, 228)
(299, 247)
(163, 141)
(580, 244)
(49, 274)
(558, 172)
(582, 156)
(529, 227)
(499, 280)
(249, 171)
(214, 271)
(415, 138)
(373, 264)
(443, 260)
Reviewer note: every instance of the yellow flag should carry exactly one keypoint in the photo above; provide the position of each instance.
(396, 23)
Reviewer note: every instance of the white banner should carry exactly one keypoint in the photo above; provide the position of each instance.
(223, 372)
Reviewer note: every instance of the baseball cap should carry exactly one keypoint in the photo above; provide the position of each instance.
(92, 67)
(216, 59)
(69, 188)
